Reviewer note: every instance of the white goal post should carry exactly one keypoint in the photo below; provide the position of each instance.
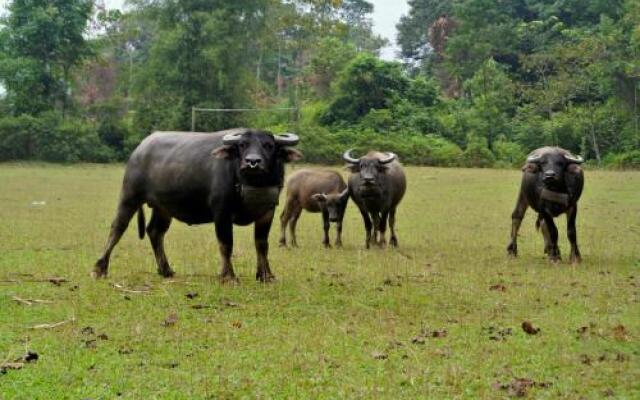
(195, 110)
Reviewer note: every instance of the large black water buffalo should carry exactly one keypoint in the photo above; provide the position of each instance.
(377, 184)
(314, 190)
(552, 183)
(228, 177)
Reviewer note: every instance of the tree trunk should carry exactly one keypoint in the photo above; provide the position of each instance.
(64, 90)
(279, 76)
(258, 72)
(594, 140)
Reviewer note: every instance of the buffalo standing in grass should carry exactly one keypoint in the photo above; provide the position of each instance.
(228, 177)
(314, 190)
(552, 182)
(377, 184)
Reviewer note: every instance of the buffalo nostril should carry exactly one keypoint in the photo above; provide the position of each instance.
(253, 161)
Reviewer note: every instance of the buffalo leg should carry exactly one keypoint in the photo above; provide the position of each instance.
(572, 235)
(339, 233)
(224, 234)
(292, 226)
(375, 217)
(156, 230)
(284, 220)
(367, 227)
(125, 211)
(545, 235)
(325, 227)
(382, 240)
(393, 241)
(516, 219)
(261, 237)
(554, 251)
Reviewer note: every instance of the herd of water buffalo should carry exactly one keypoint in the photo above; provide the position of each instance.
(235, 177)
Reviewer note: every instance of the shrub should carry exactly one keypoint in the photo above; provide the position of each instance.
(17, 137)
(321, 145)
(627, 160)
(508, 154)
(48, 137)
(477, 154)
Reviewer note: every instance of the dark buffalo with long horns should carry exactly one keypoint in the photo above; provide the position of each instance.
(227, 177)
(377, 184)
(552, 182)
(317, 191)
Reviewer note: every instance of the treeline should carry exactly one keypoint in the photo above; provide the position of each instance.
(533, 72)
(482, 82)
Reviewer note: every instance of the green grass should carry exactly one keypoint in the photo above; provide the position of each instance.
(338, 323)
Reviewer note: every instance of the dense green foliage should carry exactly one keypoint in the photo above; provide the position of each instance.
(485, 81)
(40, 44)
(534, 73)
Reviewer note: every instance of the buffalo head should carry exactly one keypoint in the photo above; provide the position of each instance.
(334, 203)
(552, 163)
(371, 169)
(258, 152)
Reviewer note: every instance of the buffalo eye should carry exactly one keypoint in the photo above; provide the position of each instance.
(268, 146)
(242, 145)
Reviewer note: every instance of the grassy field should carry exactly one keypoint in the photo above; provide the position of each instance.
(439, 318)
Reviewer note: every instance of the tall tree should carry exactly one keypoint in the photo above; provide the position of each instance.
(200, 55)
(413, 28)
(41, 42)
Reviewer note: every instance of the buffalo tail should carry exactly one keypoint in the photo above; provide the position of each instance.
(141, 223)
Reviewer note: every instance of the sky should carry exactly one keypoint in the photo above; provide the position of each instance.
(386, 14)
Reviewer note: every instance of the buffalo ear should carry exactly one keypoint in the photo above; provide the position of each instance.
(531, 168)
(574, 169)
(319, 197)
(224, 151)
(289, 154)
(352, 167)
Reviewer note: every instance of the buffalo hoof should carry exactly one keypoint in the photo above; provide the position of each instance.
(100, 270)
(98, 274)
(555, 258)
(393, 242)
(282, 243)
(327, 245)
(576, 259)
(294, 244)
(228, 279)
(554, 254)
(265, 277)
(338, 245)
(512, 250)
(166, 272)
(382, 244)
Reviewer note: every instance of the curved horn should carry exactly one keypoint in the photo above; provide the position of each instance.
(390, 157)
(348, 158)
(231, 138)
(287, 139)
(573, 159)
(535, 157)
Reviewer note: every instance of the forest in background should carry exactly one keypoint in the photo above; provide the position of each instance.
(481, 83)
